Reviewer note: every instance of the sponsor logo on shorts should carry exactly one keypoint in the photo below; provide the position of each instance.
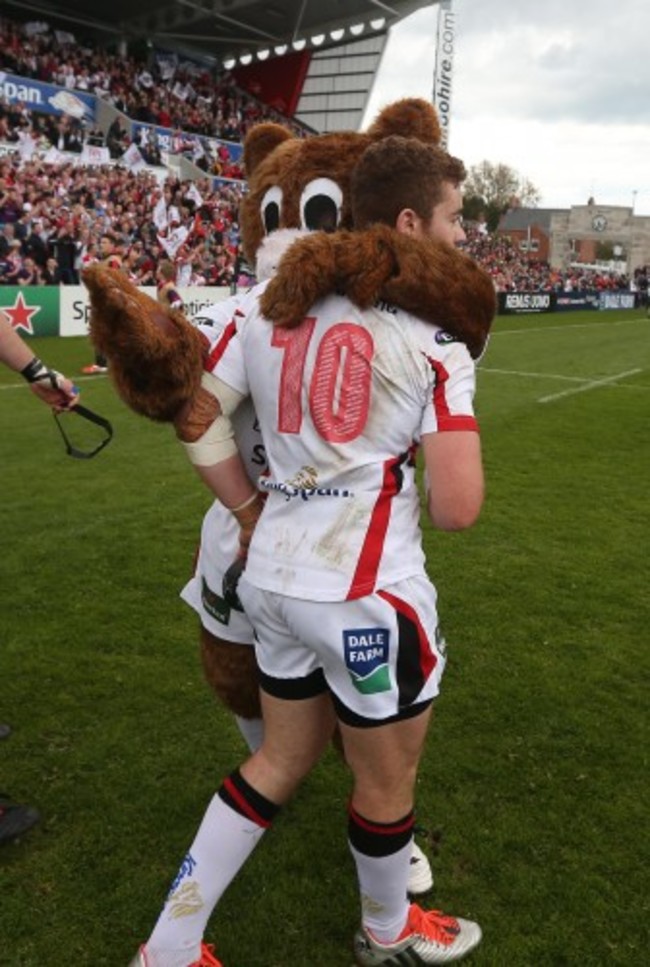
(214, 604)
(366, 659)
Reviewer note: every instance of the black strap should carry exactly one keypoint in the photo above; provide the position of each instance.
(92, 417)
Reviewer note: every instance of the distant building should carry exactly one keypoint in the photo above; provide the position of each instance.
(530, 230)
(565, 236)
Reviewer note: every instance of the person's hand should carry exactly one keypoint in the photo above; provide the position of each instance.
(247, 516)
(50, 386)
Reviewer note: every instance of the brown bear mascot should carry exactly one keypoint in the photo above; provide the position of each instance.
(161, 363)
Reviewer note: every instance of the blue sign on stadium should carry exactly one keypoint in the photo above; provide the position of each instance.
(617, 300)
(194, 146)
(46, 98)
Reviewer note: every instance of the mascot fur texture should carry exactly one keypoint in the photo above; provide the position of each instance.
(156, 356)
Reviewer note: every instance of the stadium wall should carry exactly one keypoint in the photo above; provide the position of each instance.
(42, 310)
(527, 303)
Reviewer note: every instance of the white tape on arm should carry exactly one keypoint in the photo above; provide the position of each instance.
(218, 441)
(229, 398)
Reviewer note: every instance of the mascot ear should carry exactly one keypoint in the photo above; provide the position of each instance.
(412, 117)
(261, 140)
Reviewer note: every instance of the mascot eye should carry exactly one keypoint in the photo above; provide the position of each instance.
(271, 207)
(320, 205)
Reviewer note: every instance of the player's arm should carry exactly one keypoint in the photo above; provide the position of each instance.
(49, 385)
(451, 444)
(455, 483)
(214, 452)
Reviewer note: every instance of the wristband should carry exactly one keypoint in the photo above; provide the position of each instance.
(33, 370)
(246, 503)
(36, 372)
(247, 516)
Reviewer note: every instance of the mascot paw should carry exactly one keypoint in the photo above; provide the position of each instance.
(429, 279)
(307, 271)
(155, 356)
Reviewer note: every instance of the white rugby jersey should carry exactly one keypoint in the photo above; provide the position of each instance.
(342, 401)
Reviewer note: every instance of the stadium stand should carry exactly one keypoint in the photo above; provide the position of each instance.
(54, 207)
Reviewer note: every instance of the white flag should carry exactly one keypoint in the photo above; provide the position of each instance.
(183, 274)
(53, 156)
(36, 27)
(64, 37)
(194, 195)
(160, 215)
(145, 79)
(166, 65)
(174, 240)
(93, 154)
(26, 145)
(132, 159)
(180, 91)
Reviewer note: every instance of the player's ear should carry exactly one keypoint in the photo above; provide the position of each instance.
(408, 222)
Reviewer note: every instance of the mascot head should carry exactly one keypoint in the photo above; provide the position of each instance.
(303, 184)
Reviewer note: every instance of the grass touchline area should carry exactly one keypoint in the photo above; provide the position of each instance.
(534, 780)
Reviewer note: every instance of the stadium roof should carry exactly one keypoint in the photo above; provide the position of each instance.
(223, 31)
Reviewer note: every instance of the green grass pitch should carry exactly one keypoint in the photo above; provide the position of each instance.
(534, 781)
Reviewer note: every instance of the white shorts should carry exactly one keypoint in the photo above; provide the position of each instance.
(380, 656)
(218, 549)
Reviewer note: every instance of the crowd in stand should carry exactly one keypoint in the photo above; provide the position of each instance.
(52, 219)
(53, 215)
(185, 96)
(513, 271)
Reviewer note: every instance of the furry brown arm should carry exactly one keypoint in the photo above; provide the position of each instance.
(155, 355)
(441, 285)
(429, 279)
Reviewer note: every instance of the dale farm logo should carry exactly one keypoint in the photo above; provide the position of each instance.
(20, 314)
(366, 653)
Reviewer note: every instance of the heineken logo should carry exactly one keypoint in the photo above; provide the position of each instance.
(20, 314)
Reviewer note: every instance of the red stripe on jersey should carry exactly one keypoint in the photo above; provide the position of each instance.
(447, 421)
(245, 806)
(220, 346)
(365, 574)
(428, 660)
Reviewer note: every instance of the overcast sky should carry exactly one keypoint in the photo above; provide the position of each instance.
(559, 90)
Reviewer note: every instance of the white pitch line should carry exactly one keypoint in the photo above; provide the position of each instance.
(592, 385)
(516, 372)
(577, 325)
(77, 379)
